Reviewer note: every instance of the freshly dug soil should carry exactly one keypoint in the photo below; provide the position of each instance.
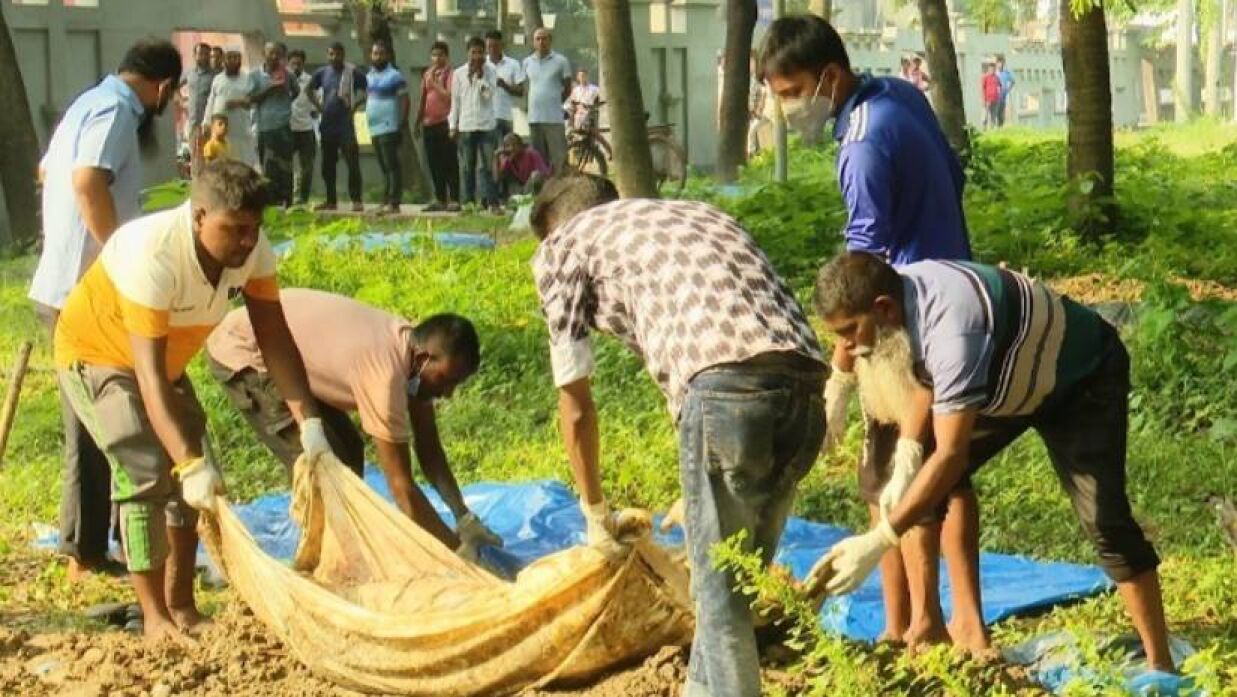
(1094, 288)
(236, 656)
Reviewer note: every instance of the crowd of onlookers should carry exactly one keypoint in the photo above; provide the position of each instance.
(278, 116)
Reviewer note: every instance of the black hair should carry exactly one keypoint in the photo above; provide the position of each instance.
(565, 196)
(440, 46)
(229, 185)
(216, 48)
(801, 42)
(153, 59)
(476, 42)
(850, 283)
(219, 117)
(494, 34)
(336, 46)
(455, 335)
(295, 53)
(200, 45)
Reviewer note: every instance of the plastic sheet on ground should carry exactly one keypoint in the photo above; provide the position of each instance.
(405, 242)
(536, 519)
(374, 603)
(1056, 661)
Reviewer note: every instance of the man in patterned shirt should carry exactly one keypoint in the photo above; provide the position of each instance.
(687, 289)
(999, 354)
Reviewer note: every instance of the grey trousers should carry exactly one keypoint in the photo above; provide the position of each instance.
(550, 139)
(86, 515)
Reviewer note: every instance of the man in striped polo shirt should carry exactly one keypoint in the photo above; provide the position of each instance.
(1000, 354)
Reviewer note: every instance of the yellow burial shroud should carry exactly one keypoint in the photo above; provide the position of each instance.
(375, 603)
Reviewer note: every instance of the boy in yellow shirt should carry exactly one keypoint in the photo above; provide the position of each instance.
(217, 147)
(140, 313)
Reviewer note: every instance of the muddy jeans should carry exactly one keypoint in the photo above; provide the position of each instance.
(748, 433)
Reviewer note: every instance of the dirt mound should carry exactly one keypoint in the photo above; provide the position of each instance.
(661, 675)
(236, 656)
(1092, 288)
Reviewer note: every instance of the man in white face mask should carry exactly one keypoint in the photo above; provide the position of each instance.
(902, 185)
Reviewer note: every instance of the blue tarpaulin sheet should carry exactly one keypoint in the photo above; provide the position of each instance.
(403, 241)
(536, 519)
(539, 518)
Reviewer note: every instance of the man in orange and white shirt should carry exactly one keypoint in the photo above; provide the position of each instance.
(125, 335)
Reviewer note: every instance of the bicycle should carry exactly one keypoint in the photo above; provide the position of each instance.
(588, 150)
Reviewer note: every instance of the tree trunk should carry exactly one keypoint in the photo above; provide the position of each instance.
(616, 49)
(19, 148)
(1084, 57)
(1183, 80)
(1215, 47)
(532, 19)
(821, 8)
(736, 83)
(943, 65)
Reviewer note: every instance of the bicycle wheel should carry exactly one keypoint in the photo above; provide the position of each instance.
(669, 161)
(587, 157)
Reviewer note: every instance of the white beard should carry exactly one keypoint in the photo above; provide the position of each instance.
(886, 376)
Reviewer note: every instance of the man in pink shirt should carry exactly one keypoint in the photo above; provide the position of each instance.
(432, 121)
(361, 359)
(519, 168)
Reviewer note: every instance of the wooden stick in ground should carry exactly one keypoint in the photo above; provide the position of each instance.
(9, 411)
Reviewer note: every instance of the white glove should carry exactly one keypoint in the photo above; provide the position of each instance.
(200, 483)
(473, 533)
(674, 516)
(907, 457)
(838, 389)
(313, 439)
(851, 560)
(600, 525)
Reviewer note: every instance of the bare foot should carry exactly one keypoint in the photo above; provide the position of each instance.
(160, 631)
(891, 638)
(77, 571)
(970, 639)
(190, 621)
(924, 634)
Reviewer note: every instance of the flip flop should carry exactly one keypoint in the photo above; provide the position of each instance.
(107, 613)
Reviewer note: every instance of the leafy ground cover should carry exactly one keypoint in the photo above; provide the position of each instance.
(1179, 221)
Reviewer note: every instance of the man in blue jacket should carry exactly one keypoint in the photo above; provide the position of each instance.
(902, 185)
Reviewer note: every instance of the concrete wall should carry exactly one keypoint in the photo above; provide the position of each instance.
(1039, 98)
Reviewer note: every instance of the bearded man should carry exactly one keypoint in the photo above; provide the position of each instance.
(993, 354)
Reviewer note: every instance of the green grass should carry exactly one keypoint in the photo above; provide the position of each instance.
(1180, 220)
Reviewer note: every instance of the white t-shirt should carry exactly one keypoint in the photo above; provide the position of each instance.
(511, 72)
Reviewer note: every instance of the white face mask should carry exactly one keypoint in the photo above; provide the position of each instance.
(808, 115)
(414, 382)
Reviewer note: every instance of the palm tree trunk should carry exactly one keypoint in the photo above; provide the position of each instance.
(821, 8)
(532, 19)
(1211, 71)
(616, 49)
(1183, 80)
(736, 84)
(943, 65)
(1084, 57)
(19, 148)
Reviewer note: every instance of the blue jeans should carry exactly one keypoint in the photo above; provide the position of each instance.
(748, 433)
(476, 163)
